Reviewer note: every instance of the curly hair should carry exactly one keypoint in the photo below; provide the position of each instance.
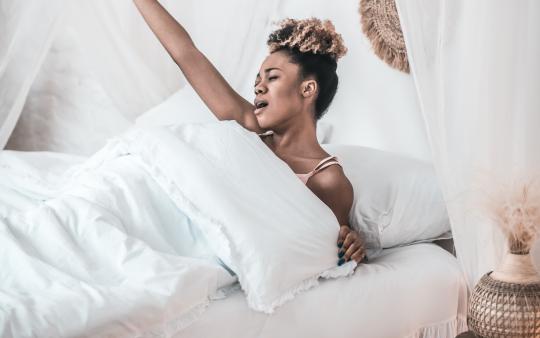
(315, 46)
(308, 35)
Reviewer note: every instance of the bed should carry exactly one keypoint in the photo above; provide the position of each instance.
(410, 291)
(413, 291)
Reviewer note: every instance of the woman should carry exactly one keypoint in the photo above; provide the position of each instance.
(294, 86)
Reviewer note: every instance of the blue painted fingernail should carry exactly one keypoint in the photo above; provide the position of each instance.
(340, 262)
(340, 254)
(340, 244)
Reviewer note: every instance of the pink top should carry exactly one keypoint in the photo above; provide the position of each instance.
(325, 162)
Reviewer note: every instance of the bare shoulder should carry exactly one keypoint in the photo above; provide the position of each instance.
(333, 187)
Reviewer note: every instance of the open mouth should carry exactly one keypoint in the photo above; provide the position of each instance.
(260, 105)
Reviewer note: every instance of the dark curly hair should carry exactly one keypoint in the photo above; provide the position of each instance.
(315, 47)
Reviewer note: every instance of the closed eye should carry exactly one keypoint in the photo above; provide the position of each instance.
(269, 79)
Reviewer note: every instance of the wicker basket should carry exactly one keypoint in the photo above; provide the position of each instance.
(501, 309)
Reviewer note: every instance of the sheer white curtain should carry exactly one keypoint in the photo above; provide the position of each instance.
(477, 71)
(135, 69)
(27, 29)
(122, 53)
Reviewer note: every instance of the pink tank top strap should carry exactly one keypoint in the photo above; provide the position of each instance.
(326, 162)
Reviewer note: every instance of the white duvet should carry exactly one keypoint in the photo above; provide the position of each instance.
(107, 251)
(109, 256)
(419, 289)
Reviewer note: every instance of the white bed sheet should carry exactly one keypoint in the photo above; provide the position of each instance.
(412, 291)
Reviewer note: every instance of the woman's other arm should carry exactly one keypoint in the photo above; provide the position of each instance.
(336, 191)
(205, 79)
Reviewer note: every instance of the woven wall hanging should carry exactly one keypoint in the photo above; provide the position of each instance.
(380, 23)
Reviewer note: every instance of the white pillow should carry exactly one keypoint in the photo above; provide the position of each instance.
(185, 106)
(397, 200)
(257, 216)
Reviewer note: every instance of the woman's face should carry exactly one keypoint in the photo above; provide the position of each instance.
(278, 91)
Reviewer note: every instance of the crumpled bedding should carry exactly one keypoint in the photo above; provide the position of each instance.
(418, 289)
(107, 248)
(108, 255)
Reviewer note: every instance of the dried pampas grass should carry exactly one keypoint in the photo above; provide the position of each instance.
(516, 209)
(380, 23)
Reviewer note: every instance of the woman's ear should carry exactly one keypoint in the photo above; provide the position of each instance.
(309, 88)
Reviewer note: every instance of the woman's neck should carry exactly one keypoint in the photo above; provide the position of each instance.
(298, 140)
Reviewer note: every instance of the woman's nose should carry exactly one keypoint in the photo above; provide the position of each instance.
(259, 89)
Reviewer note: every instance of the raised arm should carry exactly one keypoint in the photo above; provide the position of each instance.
(205, 79)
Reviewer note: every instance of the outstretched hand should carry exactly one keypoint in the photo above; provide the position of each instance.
(351, 245)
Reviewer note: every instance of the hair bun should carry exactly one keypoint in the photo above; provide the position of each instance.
(308, 35)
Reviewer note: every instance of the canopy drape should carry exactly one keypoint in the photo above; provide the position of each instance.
(476, 69)
(27, 29)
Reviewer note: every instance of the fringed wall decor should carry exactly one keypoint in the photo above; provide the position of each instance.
(380, 23)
